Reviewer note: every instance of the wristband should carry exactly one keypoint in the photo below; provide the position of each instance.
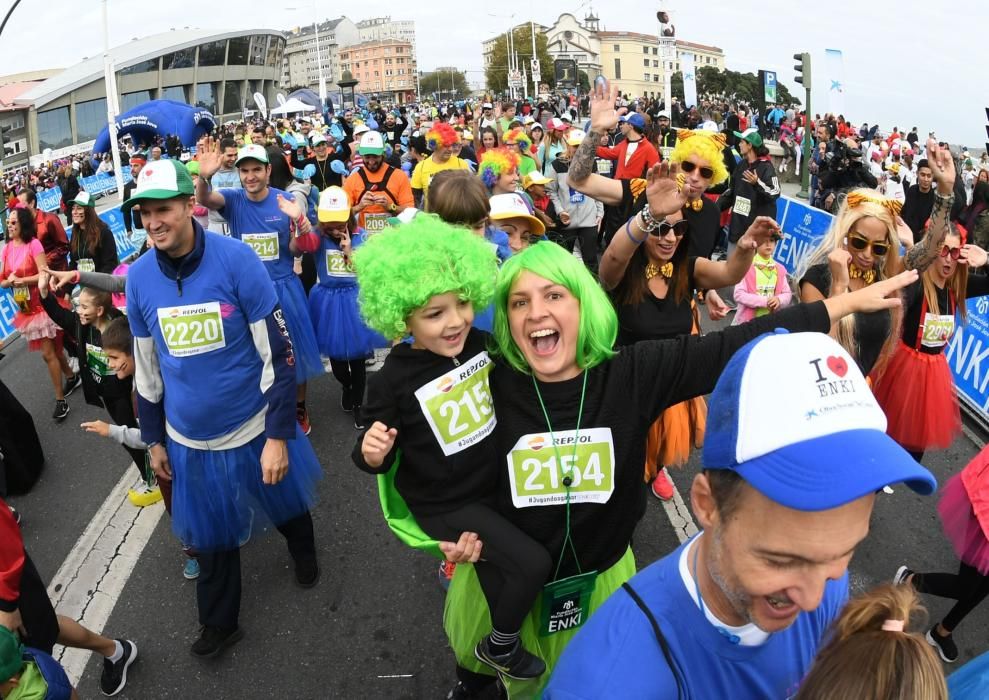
(649, 222)
(628, 232)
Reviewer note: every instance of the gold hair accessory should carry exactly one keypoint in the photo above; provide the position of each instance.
(868, 275)
(855, 199)
(652, 269)
(684, 134)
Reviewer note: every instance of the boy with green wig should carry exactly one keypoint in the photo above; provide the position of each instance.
(30, 674)
(431, 401)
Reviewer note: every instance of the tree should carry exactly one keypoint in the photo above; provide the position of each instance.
(448, 84)
(496, 74)
(732, 85)
(584, 83)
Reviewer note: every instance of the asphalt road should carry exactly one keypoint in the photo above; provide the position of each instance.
(372, 627)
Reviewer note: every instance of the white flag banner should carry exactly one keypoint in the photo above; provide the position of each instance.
(689, 79)
(834, 71)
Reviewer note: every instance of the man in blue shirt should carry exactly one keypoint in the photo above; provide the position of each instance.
(739, 611)
(214, 377)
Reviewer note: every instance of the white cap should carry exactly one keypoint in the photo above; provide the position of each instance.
(317, 139)
(361, 129)
(575, 137)
(371, 144)
(334, 205)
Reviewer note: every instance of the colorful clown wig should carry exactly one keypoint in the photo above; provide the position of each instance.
(706, 145)
(442, 135)
(598, 325)
(519, 137)
(401, 268)
(496, 162)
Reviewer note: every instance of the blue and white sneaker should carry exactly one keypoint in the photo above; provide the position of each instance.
(191, 570)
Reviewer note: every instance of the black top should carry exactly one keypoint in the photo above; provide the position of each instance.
(657, 319)
(749, 201)
(430, 481)
(917, 207)
(705, 225)
(104, 257)
(624, 396)
(913, 302)
(132, 215)
(871, 330)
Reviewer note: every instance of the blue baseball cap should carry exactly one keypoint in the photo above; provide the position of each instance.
(793, 416)
(635, 119)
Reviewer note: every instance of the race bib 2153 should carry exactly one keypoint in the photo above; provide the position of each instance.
(458, 405)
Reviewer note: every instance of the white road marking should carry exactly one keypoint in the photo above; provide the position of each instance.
(679, 514)
(91, 579)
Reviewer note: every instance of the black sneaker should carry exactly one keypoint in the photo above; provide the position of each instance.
(492, 691)
(114, 676)
(518, 663)
(71, 383)
(213, 640)
(358, 419)
(307, 572)
(901, 576)
(945, 646)
(346, 400)
(61, 410)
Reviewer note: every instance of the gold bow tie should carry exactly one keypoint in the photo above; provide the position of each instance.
(868, 275)
(666, 270)
(696, 204)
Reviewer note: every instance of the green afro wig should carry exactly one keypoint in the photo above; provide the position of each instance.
(400, 269)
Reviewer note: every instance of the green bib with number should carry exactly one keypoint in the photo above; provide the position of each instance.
(337, 265)
(458, 405)
(375, 222)
(536, 475)
(566, 603)
(97, 361)
(193, 329)
(264, 244)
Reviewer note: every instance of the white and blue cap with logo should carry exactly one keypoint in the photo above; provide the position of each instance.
(793, 416)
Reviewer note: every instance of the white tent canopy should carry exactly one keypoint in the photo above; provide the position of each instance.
(292, 106)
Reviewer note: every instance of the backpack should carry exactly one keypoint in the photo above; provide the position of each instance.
(378, 186)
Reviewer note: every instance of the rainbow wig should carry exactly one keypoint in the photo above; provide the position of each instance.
(442, 135)
(496, 162)
(598, 325)
(399, 269)
(519, 137)
(702, 144)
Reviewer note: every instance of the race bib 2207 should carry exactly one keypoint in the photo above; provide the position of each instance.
(536, 471)
(337, 265)
(193, 329)
(458, 405)
(264, 244)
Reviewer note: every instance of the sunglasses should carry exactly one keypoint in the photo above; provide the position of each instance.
(679, 229)
(861, 243)
(953, 253)
(688, 167)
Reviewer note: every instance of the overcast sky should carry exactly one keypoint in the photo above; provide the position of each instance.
(906, 63)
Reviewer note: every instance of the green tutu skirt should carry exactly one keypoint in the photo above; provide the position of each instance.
(466, 620)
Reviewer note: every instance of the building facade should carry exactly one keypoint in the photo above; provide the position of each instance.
(219, 72)
(633, 61)
(379, 28)
(570, 38)
(305, 54)
(386, 69)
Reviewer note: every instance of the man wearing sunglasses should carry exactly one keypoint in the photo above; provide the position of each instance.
(754, 187)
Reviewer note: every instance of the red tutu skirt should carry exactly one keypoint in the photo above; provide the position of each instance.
(678, 429)
(917, 394)
(962, 527)
(36, 328)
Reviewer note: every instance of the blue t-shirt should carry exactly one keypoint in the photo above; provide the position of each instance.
(263, 226)
(616, 653)
(208, 361)
(331, 268)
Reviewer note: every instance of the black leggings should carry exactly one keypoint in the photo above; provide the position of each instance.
(588, 237)
(968, 587)
(121, 410)
(352, 374)
(513, 567)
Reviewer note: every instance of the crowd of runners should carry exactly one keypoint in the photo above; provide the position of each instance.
(532, 275)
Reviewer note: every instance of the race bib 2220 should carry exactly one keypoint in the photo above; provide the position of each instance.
(193, 329)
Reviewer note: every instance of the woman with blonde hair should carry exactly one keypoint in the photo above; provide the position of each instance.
(873, 655)
(862, 247)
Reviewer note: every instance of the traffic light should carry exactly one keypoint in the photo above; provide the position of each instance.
(803, 69)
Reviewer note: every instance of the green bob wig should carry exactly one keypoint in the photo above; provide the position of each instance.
(598, 326)
(399, 269)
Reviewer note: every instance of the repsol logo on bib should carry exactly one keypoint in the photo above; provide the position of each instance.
(445, 384)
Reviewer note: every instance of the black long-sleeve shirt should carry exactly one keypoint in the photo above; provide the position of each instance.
(748, 201)
(132, 215)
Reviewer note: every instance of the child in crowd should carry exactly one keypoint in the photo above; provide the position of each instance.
(30, 674)
(765, 288)
(511, 214)
(432, 402)
(534, 185)
(872, 654)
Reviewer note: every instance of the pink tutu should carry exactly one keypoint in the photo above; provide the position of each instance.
(962, 527)
(36, 327)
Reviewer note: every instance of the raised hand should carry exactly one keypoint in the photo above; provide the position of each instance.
(210, 157)
(973, 256)
(761, 230)
(662, 192)
(604, 118)
(60, 279)
(290, 208)
(838, 261)
(942, 166)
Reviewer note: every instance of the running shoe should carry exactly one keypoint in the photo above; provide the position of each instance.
(114, 676)
(213, 640)
(945, 646)
(191, 569)
(346, 400)
(901, 576)
(358, 418)
(302, 416)
(492, 691)
(307, 571)
(518, 663)
(662, 487)
(142, 495)
(61, 410)
(445, 573)
(71, 383)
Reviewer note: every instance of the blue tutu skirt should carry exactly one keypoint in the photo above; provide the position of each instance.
(292, 298)
(219, 496)
(340, 332)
